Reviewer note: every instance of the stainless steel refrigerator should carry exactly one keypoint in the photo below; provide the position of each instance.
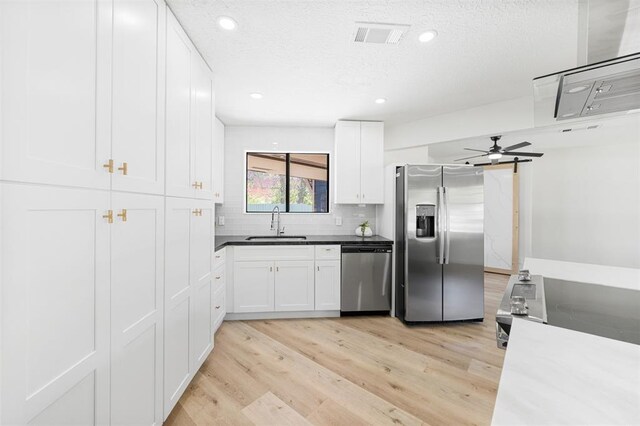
(439, 243)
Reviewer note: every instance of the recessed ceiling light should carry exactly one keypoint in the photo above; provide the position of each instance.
(427, 36)
(256, 95)
(227, 23)
(380, 100)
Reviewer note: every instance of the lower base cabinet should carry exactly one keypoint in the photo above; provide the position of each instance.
(286, 279)
(188, 293)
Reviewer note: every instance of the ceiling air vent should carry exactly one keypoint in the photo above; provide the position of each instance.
(372, 32)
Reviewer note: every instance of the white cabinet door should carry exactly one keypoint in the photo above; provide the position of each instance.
(55, 304)
(372, 162)
(55, 85)
(179, 171)
(201, 281)
(294, 285)
(202, 119)
(218, 161)
(347, 162)
(253, 286)
(177, 305)
(327, 285)
(137, 277)
(138, 96)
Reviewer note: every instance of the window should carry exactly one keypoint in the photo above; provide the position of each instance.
(296, 183)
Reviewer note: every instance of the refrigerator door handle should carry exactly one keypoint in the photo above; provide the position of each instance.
(447, 230)
(440, 246)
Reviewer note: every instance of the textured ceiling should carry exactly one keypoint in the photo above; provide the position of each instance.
(300, 55)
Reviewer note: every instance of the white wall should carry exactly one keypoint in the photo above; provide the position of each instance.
(498, 117)
(238, 140)
(586, 203)
(412, 155)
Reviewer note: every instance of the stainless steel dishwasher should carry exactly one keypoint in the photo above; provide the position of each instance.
(366, 278)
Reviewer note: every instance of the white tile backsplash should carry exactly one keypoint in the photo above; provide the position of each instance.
(238, 140)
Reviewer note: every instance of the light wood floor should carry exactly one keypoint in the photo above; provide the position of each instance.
(348, 371)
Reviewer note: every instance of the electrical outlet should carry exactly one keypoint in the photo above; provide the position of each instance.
(338, 221)
(220, 220)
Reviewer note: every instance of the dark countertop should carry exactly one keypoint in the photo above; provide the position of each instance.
(241, 240)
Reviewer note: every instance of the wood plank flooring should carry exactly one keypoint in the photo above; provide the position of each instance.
(348, 371)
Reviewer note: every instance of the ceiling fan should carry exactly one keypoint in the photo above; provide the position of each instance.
(496, 152)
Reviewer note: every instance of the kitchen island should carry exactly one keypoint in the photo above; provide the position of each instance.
(556, 376)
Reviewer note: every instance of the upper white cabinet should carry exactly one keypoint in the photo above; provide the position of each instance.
(83, 93)
(189, 118)
(137, 136)
(218, 161)
(359, 163)
(55, 85)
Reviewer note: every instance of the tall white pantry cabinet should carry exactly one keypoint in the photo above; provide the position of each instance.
(106, 218)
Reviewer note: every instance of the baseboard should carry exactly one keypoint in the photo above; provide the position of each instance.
(280, 315)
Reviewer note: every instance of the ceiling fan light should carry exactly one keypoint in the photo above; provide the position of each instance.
(495, 156)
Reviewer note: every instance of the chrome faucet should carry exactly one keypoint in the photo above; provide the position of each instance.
(279, 231)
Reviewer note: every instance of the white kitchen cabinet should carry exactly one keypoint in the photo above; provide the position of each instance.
(55, 305)
(294, 285)
(178, 111)
(218, 161)
(218, 301)
(189, 117)
(253, 286)
(372, 162)
(327, 287)
(55, 85)
(188, 264)
(137, 130)
(359, 165)
(137, 277)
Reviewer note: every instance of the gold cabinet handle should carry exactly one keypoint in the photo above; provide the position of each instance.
(123, 215)
(197, 212)
(108, 216)
(197, 185)
(124, 169)
(109, 166)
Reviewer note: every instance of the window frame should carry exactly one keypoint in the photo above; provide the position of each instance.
(288, 177)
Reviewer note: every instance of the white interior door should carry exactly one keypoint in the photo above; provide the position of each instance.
(55, 306)
(203, 115)
(177, 292)
(372, 162)
(55, 85)
(327, 288)
(294, 286)
(138, 95)
(179, 176)
(137, 277)
(347, 162)
(201, 281)
(500, 219)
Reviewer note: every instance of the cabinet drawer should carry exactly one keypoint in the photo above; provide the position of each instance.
(274, 252)
(219, 258)
(219, 278)
(219, 307)
(328, 252)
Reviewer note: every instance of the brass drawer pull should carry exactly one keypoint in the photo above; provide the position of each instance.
(124, 169)
(197, 185)
(123, 215)
(109, 166)
(108, 216)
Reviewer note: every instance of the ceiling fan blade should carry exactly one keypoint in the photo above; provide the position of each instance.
(516, 146)
(468, 158)
(524, 154)
(479, 150)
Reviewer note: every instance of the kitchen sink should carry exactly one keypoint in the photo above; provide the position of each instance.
(275, 238)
